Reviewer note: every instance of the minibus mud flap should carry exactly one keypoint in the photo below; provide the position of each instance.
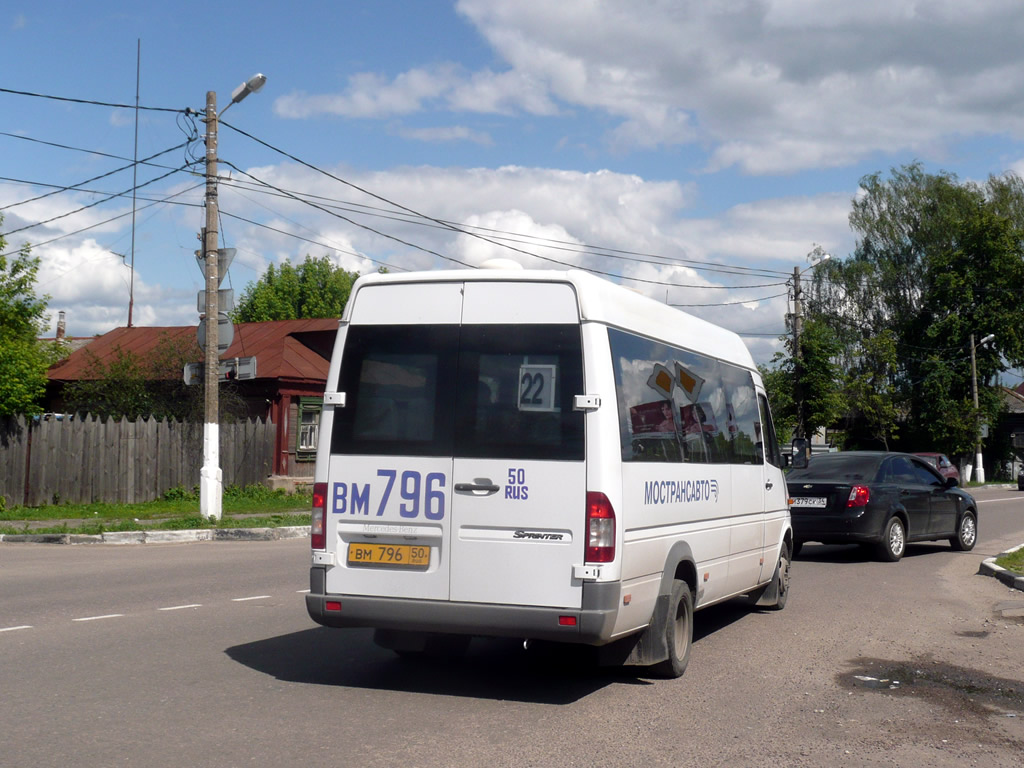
(643, 648)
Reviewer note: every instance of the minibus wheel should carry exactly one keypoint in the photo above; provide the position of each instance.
(678, 631)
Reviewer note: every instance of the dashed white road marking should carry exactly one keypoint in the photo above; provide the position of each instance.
(180, 607)
(303, 591)
(12, 629)
(1008, 498)
(254, 597)
(97, 618)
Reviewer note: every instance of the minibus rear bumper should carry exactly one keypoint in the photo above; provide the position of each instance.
(591, 624)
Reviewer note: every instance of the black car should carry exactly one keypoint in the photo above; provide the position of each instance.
(879, 499)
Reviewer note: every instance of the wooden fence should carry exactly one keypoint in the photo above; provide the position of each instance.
(81, 461)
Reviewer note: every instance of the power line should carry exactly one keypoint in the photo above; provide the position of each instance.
(350, 221)
(581, 249)
(732, 303)
(59, 189)
(308, 240)
(168, 199)
(92, 205)
(90, 101)
(442, 223)
(85, 190)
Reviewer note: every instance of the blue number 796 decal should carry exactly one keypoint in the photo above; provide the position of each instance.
(415, 494)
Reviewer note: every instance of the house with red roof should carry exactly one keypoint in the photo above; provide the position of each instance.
(291, 360)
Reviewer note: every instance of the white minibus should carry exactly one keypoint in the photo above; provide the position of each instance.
(545, 456)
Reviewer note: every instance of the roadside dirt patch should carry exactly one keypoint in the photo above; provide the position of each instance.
(962, 690)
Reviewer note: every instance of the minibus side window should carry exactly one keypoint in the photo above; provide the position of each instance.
(766, 431)
(679, 406)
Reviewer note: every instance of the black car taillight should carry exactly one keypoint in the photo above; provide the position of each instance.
(860, 495)
(317, 531)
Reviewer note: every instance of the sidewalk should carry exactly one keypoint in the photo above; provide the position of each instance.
(147, 536)
(158, 537)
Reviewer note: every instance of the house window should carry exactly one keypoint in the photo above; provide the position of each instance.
(309, 428)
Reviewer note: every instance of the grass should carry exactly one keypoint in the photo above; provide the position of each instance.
(252, 507)
(1014, 561)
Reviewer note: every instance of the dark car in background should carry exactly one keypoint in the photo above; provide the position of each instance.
(942, 463)
(878, 499)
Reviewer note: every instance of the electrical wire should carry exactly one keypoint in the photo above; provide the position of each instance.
(350, 221)
(575, 248)
(60, 189)
(312, 242)
(92, 205)
(440, 222)
(457, 261)
(731, 303)
(89, 101)
(168, 199)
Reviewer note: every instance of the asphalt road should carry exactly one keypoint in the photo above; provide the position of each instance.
(201, 654)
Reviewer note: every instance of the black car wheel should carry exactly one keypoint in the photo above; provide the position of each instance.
(966, 533)
(894, 540)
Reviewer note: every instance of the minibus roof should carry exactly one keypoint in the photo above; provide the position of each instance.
(600, 301)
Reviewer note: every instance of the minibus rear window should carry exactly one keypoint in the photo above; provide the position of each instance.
(516, 388)
(393, 377)
(475, 391)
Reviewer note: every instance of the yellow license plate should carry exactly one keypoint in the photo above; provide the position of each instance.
(390, 555)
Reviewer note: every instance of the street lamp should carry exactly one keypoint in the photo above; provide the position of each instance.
(210, 476)
(798, 317)
(980, 470)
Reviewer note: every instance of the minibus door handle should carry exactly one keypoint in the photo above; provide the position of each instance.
(481, 484)
(769, 485)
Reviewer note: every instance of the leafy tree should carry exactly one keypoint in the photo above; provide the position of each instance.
(869, 388)
(314, 288)
(813, 381)
(23, 360)
(936, 260)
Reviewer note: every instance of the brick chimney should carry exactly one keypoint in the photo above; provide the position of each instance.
(61, 327)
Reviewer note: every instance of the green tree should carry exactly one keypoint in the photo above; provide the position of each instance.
(812, 381)
(936, 260)
(23, 359)
(314, 288)
(869, 389)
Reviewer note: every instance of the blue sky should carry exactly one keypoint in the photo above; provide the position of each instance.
(696, 134)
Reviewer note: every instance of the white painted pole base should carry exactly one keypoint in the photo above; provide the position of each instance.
(981, 470)
(210, 476)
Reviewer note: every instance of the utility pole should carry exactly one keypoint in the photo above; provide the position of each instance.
(211, 482)
(979, 469)
(798, 357)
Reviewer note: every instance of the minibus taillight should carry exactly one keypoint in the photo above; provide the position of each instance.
(317, 534)
(600, 528)
(860, 495)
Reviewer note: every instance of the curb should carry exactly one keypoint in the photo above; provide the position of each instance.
(162, 537)
(988, 567)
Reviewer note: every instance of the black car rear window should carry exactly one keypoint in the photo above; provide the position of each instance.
(838, 467)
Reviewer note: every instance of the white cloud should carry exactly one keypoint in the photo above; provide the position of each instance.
(775, 85)
(370, 95)
(769, 86)
(445, 134)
